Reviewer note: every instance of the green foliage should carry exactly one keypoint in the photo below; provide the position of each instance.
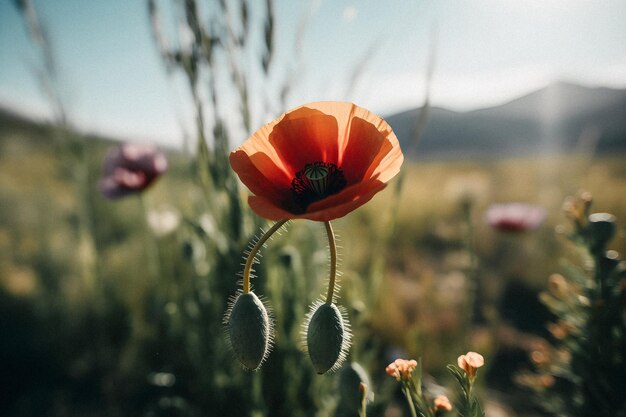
(423, 404)
(585, 367)
(467, 404)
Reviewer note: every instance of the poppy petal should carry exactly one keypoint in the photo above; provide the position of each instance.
(387, 164)
(365, 144)
(260, 174)
(303, 136)
(350, 193)
(343, 208)
(258, 144)
(359, 131)
(325, 210)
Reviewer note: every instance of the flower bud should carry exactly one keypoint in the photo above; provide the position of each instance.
(470, 362)
(401, 369)
(327, 337)
(250, 330)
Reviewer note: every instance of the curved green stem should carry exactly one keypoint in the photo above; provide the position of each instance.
(255, 249)
(332, 246)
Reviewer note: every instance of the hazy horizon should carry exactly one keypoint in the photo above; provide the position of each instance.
(487, 52)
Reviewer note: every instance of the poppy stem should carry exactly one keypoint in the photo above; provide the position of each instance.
(255, 249)
(332, 246)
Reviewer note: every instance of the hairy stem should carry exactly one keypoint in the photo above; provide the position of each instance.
(332, 246)
(255, 249)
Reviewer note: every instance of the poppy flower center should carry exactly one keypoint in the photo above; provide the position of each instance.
(315, 182)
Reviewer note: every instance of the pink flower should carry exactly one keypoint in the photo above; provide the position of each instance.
(515, 217)
(130, 168)
(470, 362)
(401, 369)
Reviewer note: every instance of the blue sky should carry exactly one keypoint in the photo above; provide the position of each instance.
(487, 51)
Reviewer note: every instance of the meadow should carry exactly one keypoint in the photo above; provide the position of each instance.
(120, 287)
(125, 319)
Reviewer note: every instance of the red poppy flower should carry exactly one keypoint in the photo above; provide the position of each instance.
(131, 168)
(319, 161)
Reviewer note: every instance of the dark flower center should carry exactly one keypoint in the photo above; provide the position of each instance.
(315, 182)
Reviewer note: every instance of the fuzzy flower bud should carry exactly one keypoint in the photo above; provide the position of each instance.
(250, 330)
(327, 336)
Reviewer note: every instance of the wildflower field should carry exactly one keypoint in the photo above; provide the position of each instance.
(299, 261)
(142, 333)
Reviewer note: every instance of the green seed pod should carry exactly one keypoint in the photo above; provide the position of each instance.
(250, 330)
(327, 337)
(601, 231)
(350, 379)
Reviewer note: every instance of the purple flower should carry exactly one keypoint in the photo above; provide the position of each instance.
(130, 169)
(515, 217)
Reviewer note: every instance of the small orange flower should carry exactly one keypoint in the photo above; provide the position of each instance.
(442, 403)
(319, 161)
(401, 369)
(470, 362)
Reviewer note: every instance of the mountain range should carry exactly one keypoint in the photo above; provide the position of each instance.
(562, 117)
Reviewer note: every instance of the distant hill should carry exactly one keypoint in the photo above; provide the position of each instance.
(561, 117)
(11, 122)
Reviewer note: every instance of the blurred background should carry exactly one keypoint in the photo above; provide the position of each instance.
(114, 307)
